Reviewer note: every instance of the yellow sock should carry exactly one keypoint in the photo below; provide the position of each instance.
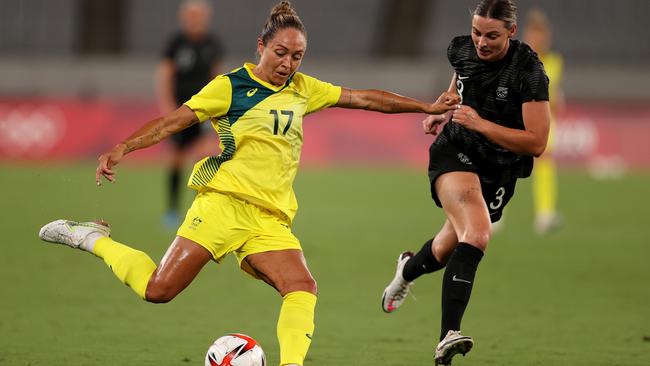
(544, 186)
(133, 267)
(296, 326)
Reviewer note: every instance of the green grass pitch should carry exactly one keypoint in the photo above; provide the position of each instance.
(579, 296)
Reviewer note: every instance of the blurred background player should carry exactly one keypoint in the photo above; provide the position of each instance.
(191, 59)
(537, 34)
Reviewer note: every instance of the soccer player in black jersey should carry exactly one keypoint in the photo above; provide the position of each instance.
(191, 58)
(489, 142)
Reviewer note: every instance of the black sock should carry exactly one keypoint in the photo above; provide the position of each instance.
(457, 285)
(174, 185)
(422, 262)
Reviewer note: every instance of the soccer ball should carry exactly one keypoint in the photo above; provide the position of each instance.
(235, 350)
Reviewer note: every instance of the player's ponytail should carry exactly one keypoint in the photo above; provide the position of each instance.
(282, 16)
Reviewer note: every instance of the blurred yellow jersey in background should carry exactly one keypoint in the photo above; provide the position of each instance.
(260, 132)
(553, 66)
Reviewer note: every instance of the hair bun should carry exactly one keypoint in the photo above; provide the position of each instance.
(282, 16)
(283, 8)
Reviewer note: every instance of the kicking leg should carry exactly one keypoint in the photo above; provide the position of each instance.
(182, 262)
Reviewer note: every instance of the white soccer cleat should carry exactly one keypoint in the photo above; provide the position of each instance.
(396, 291)
(72, 233)
(452, 344)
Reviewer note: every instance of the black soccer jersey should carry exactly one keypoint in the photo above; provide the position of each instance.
(496, 90)
(193, 61)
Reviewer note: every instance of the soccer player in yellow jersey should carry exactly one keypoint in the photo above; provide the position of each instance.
(537, 34)
(245, 202)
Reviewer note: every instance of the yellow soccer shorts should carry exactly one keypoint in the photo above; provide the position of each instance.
(224, 224)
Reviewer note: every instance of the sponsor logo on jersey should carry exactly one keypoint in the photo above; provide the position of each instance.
(251, 92)
(464, 159)
(502, 93)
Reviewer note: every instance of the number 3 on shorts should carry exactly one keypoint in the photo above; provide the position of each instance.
(498, 199)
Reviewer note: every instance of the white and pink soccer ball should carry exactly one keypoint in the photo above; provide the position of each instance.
(235, 350)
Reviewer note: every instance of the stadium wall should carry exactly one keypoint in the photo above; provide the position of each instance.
(43, 129)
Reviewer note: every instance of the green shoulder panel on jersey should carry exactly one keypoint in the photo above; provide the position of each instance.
(246, 93)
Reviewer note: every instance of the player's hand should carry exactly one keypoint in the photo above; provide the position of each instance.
(467, 117)
(431, 123)
(106, 162)
(445, 102)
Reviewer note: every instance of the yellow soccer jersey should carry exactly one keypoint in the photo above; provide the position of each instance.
(260, 132)
(553, 65)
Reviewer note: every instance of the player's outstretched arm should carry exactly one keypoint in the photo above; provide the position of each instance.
(387, 102)
(150, 134)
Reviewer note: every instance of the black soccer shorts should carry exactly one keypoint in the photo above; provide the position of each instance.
(497, 191)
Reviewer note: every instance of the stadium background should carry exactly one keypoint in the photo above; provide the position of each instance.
(76, 76)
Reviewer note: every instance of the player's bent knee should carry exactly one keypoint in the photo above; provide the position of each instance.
(479, 239)
(158, 297)
(312, 286)
(160, 294)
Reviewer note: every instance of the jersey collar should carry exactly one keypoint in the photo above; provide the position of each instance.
(249, 69)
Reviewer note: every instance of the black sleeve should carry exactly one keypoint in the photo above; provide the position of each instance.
(534, 82)
(454, 48)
